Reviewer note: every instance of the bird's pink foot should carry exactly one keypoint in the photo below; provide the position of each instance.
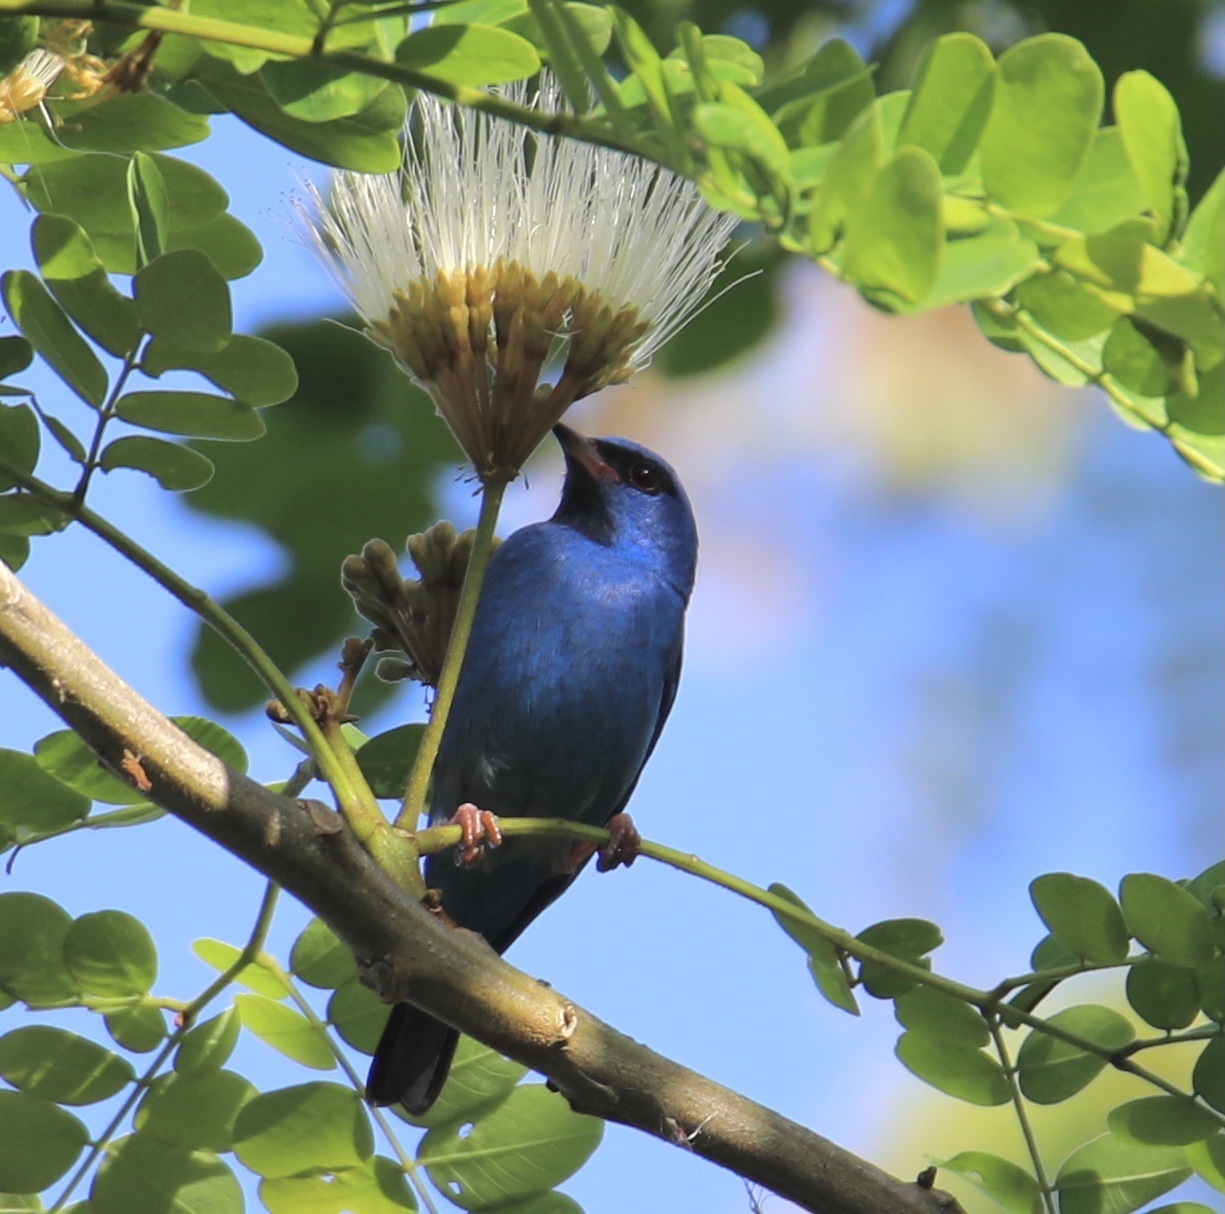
(623, 847)
(479, 830)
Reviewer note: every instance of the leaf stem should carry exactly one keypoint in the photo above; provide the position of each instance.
(465, 611)
(105, 414)
(1022, 1112)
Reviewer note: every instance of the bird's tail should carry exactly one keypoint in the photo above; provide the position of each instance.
(412, 1060)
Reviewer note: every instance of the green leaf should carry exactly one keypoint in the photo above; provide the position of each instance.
(378, 1186)
(1211, 982)
(967, 1074)
(24, 514)
(529, 1143)
(1203, 243)
(92, 188)
(142, 1175)
(1006, 1183)
(66, 757)
(1208, 1160)
(172, 465)
(138, 1028)
(365, 142)
(111, 953)
(1162, 1121)
(32, 933)
(847, 181)
(71, 445)
(230, 245)
(284, 16)
(150, 209)
(950, 100)
(1166, 919)
(19, 439)
(1165, 995)
(388, 757)
(824, 963)
(1197, 425)
(221, 956)
(984, 266)
(1142, 359)
(182, 299)
(319, 958)
(214, 738)
(16, 354)
(1065, 307)
(1152, 137)
(313, 1126)
(194, 1111)
(207, 1047)
(1208, 1077)
(256, 371)
(469, 54)
(196, 414)
(934, 1014)
(1110, 1174)
(894, 241)
(59, 1066)
(319, 92)
(816, 102)
(14, 552)
(39, 1142)
(1048, 100)
(358, 1015)
(32, 801)
(908, 939)
(286, 1030)
(1082, 915)
(123, 123)
(78, 280)
(1107, 191)
(479, 1078)
(43, 323)
(1051, 1070)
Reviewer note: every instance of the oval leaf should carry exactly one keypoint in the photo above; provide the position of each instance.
(208, 1046)
(378, 1186)
(308, 1127)
(319, 958)
(1110, 1174)
(469, 54)
(59, 1066)
(172, 465)
(1082, 915)
(142, 1175)
(1166, 996)
(194, 1111)
(1162, 1121)
(286, 1030)
(32, 800)
(194, 414)
(479, 1078)
(66, 756)
(180, 296)
(528, 1144)
(969, 1075)
(1012, 1186)
(1166, 919)
(39, 1142)
(32, 934)
(1051, 1070)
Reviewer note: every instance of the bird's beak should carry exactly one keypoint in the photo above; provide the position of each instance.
(581, 452)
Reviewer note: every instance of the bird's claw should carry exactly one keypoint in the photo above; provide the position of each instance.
(624, 845)
(479, 829)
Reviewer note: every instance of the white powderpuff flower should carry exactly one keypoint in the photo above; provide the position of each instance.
(27, 84)
(512, 272)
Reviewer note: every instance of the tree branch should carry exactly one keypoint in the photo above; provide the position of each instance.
(409, 953)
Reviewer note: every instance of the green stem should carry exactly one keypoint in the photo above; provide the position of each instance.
(1022, 1112)
(436, 838)
(1205, 1033)
(210, 611)
(255, 943)
(465, 611)
(232, 33)
(105, 414)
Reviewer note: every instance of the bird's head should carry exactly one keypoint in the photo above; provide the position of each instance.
(625, 497)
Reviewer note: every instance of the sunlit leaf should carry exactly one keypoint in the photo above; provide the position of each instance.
(59, 1066)
(310, 1126)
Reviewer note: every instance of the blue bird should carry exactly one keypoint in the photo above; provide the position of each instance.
(570, 673)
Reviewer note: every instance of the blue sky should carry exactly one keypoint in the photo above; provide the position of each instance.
(920, 671)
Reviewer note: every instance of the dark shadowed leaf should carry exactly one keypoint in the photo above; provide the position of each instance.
(137, 1028)
(256, 371)
(934, 1014)
(388, 757)
(131, 122)
(31, 800)
(358, 1015)
(194, 414)
(1051, 1070)
(66, 756)
(1166, 919)
(1165, 995)
(1162, 1121)
(150, 205)
(1208, 1077)
(32, 933)
(182, 299)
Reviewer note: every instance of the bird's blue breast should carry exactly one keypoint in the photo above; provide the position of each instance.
(571, 665)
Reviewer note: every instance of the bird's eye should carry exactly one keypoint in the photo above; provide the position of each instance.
(645, 479)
